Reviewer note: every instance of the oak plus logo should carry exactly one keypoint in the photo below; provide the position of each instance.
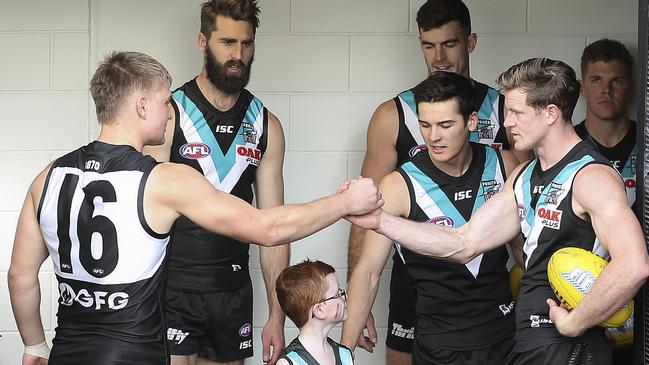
(550, 218)
(249, 154)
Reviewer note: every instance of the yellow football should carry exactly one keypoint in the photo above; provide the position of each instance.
(572, 272)
(621, 336)
(515, 275)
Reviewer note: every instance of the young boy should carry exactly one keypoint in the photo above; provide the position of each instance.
(311, 297)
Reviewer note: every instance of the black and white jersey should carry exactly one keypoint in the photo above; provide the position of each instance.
(548, 223)
(226, 147)
(463, 306)
(622, 156)
(107, 260)
(490, 130)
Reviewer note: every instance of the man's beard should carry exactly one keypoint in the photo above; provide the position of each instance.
(218, 75)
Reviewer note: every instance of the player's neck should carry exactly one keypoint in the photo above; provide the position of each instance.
(118, 134)
(556, 144)
(216, 97)
(607, 132)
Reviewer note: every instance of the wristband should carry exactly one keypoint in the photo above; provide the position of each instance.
(38, 350)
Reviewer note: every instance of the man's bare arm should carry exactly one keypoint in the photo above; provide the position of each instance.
(269, 192)
(380, 159)
(492, 225)
(364, 282)
(175, 189)
(29, 253)
(618, 229)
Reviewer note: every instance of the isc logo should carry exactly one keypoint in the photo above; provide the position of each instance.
(194, 150)
(245, 345)
(461, 195)
(223, 129)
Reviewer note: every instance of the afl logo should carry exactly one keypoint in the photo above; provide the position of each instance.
(245, 330)
(194, 150)
(413, 151)
(442, 221)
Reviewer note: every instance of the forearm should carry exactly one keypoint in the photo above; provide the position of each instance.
(273, 260)
(362, 288)
(617, 284)
(290, 223)
(25, 301)
(356, 235)
(426, 239)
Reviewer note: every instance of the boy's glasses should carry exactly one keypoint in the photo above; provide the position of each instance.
(341, 293)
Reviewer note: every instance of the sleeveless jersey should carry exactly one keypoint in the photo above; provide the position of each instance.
(490, 130)
(462, 306)
(296, 354)
(107, 260)
(226, 147)
(622, 156)
(548, 223)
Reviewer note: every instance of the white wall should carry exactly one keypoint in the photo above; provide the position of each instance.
(321, 67)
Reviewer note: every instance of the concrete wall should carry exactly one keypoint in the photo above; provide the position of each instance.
(321, 66)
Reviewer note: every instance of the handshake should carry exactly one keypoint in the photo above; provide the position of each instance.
(366, 202)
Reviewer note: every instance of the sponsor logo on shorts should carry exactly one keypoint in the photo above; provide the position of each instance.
(251, 155)
(245, 330)
(506, 309)
(89, 299)
(399, 331)
(236, 267)
(245, 345)
(536, 320)
(442, 221)
(194, 150)
(177, 335)
(581, 280)
(550, 218)
(413, 151)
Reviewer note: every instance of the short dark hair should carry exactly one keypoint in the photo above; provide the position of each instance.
(435, 13)
(244, 10)
(300, 286)
(545, 81)
(443, 86)
(606, 50)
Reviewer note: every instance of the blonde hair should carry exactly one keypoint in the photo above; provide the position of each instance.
(119, 75)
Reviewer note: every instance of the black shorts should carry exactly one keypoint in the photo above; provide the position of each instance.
(102, 350)
(565, 353)
(401, 316)
(216, 326)
(428, 354)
